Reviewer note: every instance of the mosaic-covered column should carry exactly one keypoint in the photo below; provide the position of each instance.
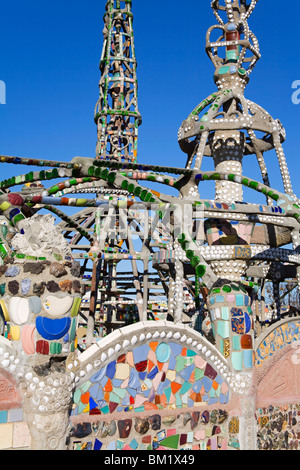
(228, 301)
(40, 298)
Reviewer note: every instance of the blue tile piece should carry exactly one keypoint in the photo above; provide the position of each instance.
(94, 389)
(126, 401)
(223, 399)
(15, 415)
(197, 386)
(111, 445)
(111, 370)
(134, 380)
(160, 388)
(100, 395)
(152, 373)
(219, 379)
(117, 382)
(186, 372)
(175, 348)
(52, 329)
(207, 383)
(212, 401)
(132, 391)
(140, 353)
(92, 404)
(172, 363)
(103, 381)
(146, 393)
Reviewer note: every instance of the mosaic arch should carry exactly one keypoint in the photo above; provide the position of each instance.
(153, 386)
(146, 367)
(283, 335)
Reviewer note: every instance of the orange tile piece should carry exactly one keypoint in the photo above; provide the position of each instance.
(163, 400)
(215, 385)
(108, 387)
(149, 406)
(106, 396)
(150, 365)
(153, 345)
(184, 351)
(175, 387)
(160, 365)
(85, 398)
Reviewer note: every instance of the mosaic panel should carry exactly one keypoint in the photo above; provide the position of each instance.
(14, 432)
(205, 430)
(232, 325)
(279, 338)
(278, 427)
(153, 376)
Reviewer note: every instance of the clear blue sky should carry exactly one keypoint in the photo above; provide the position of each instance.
(50, 55)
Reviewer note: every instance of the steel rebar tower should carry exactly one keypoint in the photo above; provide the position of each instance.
(116, 114)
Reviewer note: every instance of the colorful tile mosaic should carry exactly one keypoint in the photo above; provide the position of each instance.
(205, 430)
(14, 432)
(232, 323)
(152, 376)
(278, 427)
(280, 337)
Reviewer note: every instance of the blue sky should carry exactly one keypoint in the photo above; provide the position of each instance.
(50, 54)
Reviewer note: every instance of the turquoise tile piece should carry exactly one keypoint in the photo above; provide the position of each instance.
(239, 298)
(3, 417)
(225, 313)
(236, 343)
(248, 358)
(223, 329)
(237, 360)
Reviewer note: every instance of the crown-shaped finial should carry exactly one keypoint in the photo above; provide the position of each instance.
(241, 45)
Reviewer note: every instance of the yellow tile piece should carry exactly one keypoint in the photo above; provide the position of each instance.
(15, 332)
(4, 310)
(6, 436)
(4, 206)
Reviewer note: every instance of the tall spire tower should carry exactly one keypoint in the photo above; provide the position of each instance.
(116, 114)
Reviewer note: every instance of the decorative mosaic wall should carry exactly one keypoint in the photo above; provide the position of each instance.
(153, 376)
(279, 338)
(278, 427)
(14, 432)
(39, 303)
(198, 430)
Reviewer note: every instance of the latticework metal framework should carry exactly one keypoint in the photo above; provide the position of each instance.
(116, 114)
(170, 266)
